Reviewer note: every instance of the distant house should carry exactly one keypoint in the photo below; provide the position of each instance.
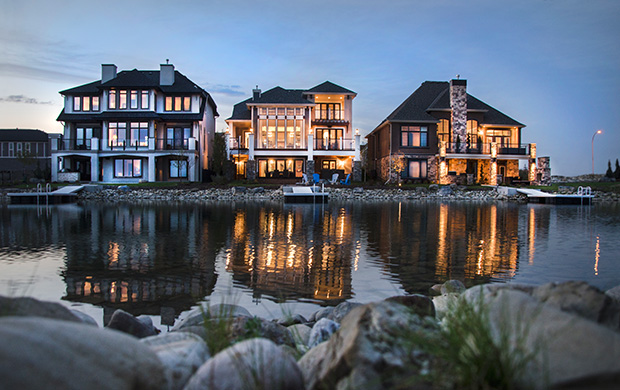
(24, 153)
(137, 125)
(286, 133)
(442, 134)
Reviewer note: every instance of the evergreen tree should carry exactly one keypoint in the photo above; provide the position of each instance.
(609, 172)
(617, 171)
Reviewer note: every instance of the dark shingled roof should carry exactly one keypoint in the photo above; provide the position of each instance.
(241, 111)
(143, 79)
(435, 96)
(279, 95)
(23, 135)
(128, 115)
(329, 87)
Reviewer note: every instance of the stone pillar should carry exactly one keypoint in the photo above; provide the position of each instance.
(544, 170)
(151, 174)
(310, 168)
(250, 170)
(493, 172)
(458, 105)
(94, 167)
(357, 171)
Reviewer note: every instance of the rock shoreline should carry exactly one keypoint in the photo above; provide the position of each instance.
(573, 328)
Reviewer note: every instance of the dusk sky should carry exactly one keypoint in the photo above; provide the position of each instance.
(553, 65)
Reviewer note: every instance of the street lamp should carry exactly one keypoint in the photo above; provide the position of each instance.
(593, 135)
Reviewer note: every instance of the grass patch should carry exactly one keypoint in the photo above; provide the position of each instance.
(469, 352)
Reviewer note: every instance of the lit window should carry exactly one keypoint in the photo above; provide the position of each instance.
(127, 168)
(187, 103)
(86, 103)
(416, 169)
(95, 105)
(112, 100)
(77, 106)
(133, 102)
(145, 99)
(177, 103)
(122, 100)
(117, 133)
(414, 136)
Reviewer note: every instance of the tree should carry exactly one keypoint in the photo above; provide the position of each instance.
(609, 172)
(617, 171)
(397, 166)
(219, 154)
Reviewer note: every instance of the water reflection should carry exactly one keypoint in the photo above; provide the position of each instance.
(162, 259)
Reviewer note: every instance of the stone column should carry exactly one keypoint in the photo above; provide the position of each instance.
(357, 171)
(458, 105)
(310, 168)
(544, 170)
(250, 170)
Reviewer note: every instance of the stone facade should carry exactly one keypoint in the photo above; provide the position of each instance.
(544, 171)
(512, 168)
(309, 168)
(432, 169)
(357, 171)
(458, 104)
(250, 170)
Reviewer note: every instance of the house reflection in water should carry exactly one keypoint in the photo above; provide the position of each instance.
(142, 259)
(302, 251)
(424, 243)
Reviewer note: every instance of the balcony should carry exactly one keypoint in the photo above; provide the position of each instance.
(329, 117)
(128, 145)
(481, 148)
(75, 144)
(334, 144)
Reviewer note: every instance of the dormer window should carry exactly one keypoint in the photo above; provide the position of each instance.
(86, 103)
(178, 103)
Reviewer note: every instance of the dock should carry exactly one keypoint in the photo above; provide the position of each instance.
(582, 197)
(305, 194)
(67, 194)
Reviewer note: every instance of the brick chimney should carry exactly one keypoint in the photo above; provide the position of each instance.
(166, 74)
(458, 105)
(108, 72)
(256, 93)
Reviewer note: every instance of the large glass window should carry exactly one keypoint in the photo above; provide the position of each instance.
(178, 137)
(117, 134)
(84, 135)
(178, 168)
(416, 169)
(127, 168)
(280, 133)
(443, 130)
(280, 168)
(139, 134)
(414, 136)
(329, 139)
(329, 111)
(178, 103)
(86, 103)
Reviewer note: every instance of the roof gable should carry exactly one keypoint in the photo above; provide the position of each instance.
(279, 95)
(329, 87)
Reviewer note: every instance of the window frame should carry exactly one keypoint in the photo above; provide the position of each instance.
(410, 131)
(124, 174)
(421, 162)
(181, 166)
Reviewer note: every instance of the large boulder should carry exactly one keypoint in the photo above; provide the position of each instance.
(127, 323)
(251, 364)
(322, 331)
(41, 353)
(181, 354)
(570, 348)
(30, 307)
(341, 311)
(368, 351)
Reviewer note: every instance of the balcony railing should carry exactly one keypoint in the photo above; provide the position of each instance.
(236, 144)
(75, 144)
(334, 115)
(334, 144)
(172, 144)
(482, 148)
(128, 144)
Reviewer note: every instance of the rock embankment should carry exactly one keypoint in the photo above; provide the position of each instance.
(569, 332)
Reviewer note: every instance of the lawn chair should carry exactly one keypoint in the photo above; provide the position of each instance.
(304, 179)
(334, 179)
(347, 180)
(316, 178)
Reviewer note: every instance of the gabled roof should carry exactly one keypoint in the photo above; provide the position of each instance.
(144, 79)
(435, 96)
(23, 135)
(279, 95)
(329, 87)
(241, 111)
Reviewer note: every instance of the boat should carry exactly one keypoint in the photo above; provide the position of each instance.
(305, 194)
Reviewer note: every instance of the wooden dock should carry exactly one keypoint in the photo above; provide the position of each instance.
(67, 194)
(583, 197)
(305, 194)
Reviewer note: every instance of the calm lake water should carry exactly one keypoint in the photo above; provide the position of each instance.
(161, 259)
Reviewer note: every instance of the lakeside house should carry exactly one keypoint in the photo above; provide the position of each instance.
(24, 153)
(133, 126)
(442, 134)
(286, 133)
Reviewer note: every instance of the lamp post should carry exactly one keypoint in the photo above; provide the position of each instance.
(593, 135)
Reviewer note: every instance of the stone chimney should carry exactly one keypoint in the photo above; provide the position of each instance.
(256, 93)
(108, 72)
(458, 105)
(166, 74)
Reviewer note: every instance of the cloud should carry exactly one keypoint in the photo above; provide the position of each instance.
(222, 89)
(22, 99)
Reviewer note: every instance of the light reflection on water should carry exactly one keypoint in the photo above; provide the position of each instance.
(160, 260)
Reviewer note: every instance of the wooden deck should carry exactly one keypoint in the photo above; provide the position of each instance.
(67, 194)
